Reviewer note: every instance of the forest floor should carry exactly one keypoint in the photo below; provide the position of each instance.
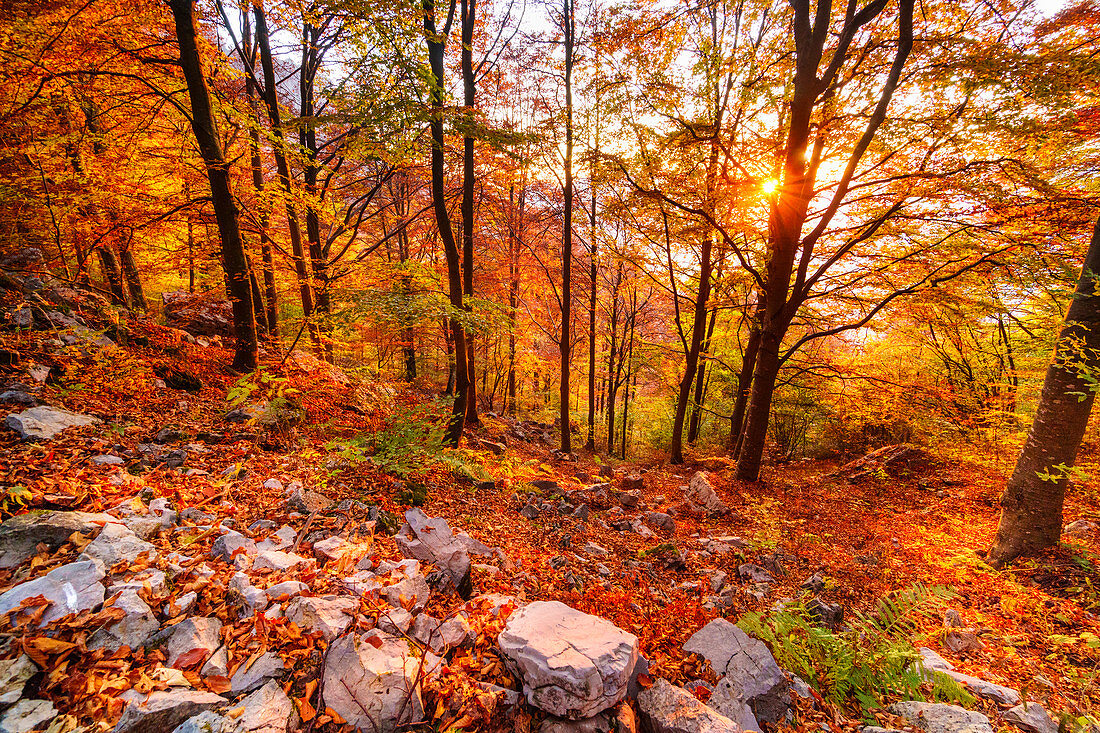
(923, 524)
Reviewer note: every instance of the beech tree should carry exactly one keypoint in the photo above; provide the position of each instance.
(1031, 507)
(217, 170)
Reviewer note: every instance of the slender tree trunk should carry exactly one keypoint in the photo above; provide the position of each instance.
(567, 227)
(217, 171)
(514, 241)
(701, 381)
(271, 100)
(257, 297)
(271, 293)
(590, 445)
(612, 371)
(190, 239)
(469, 11)
(698, 330)
(744, 379)
(1031, 508)
(435, 43)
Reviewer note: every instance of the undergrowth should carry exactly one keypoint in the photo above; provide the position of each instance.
(868, 663)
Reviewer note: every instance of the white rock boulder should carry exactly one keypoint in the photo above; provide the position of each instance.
(572, 664)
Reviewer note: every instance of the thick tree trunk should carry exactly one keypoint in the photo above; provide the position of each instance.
(108, 262)
(1031, 508)
(217, 171)
(435, 43)
(763, 388)
(133, 279)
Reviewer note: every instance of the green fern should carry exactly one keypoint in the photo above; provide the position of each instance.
(866, 664)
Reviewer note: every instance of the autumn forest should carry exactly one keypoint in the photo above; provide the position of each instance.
(729, 329)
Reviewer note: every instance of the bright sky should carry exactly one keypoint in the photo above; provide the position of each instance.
(1049, 7)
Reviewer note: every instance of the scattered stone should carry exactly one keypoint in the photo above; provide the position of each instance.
(132, 630)
(206, 722)
(396, 621)
(307, 502)
(933, 663)
(1030, 717)
(1079, 527)
(45, 423)
(217, 665)
(956, 638)
(117, 543)
(573, 665)
(230, 543)
(244, 595)
(18, 397)
(633, 482)
(70, 588)
(267, 666)
(546, 485)
(329, 549)
(288, 588)
(106, 460)
(829, 615)
(20, 535)
(932, 717)
(701, 492)
(815, 583)
(193, 641)
(661, 521)
(14, 675)
(748, 665)
(665, 708)
(530, 511)
(267, 710)
(164, 710)
(410, 593)
(628, 499)
(432, 540)
(372, 681)
(278, 560)
(26, 715)
(330, 615)
(754, 574)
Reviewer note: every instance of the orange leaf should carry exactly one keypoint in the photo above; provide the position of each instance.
(645, 681)
(191, 658)
(218, 684)
(305, 710)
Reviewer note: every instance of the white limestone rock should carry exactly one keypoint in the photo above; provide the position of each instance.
(573, 665)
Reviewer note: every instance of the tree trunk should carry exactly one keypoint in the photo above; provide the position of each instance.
(133, 279)
(271, 293)
(217, 171)
(435, 43)
(108, 262)
(698, 330)
(567, 226)
(469, 10)
(514, 240)
(1031, 508)
(701, 381)
(744, 380)
(271, 100)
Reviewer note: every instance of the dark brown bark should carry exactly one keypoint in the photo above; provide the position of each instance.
(744, 379)
(469, 10)
(1031, 508)
(132, 275)
(790, 204)
(108, 262)
(435, 41)
(701, 381)
(221, 195)
(271, 101)
(568, 29)
(271, 292)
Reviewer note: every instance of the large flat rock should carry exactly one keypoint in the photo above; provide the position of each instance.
(70, 589)
(573, 665)
(45, 423)
(19, 536)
